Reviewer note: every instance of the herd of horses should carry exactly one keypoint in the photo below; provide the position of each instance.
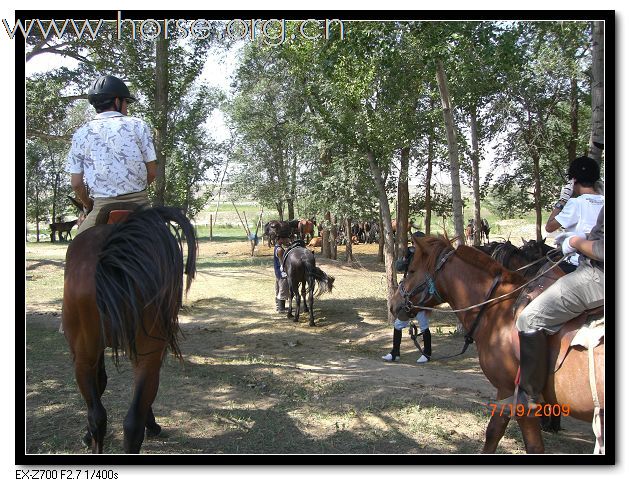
(123, 288)
(363, 232)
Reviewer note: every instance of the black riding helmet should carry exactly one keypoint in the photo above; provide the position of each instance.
(106, 88)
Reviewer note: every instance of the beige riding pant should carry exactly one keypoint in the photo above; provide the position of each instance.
(140, 198)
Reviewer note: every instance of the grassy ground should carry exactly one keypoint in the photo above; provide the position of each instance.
(252, 381)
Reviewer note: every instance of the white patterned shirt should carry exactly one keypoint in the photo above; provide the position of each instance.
(111, 151)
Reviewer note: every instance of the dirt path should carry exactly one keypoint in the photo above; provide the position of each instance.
(253, 381)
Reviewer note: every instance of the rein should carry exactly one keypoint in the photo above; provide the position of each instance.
(545, 257)
(468, 338)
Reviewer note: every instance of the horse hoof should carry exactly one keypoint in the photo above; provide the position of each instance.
(289, 315)
(153, 430)
(87, 439)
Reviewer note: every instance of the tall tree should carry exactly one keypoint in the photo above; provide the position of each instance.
(597, 135)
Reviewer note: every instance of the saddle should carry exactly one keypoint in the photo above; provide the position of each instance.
(115, 212)
(295, 244)
(585, 330)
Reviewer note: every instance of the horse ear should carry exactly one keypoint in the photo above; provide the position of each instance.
(523, 239)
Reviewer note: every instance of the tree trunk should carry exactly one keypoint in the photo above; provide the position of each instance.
(349, 257)
(280, 209)
(537, 202)
(291, 199)
(333, 239)
(402, 214)
(290, 209)
(572, 148)
(326, 236)
(381, 239)
(475, 174)
(161, 109)
(597, 104)
(449, 124)
(390, 273)
(427, 189)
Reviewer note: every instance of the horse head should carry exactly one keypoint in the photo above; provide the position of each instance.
(419, 288)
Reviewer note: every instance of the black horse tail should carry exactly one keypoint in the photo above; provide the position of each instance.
(139, 277)
(316, 275)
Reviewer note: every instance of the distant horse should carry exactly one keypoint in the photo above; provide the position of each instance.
(305, 230)
(465, 277)
(123, 289)
(485, 231)
(276, 229)
(299, 265)
(60, 227)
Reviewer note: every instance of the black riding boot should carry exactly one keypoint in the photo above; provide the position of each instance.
(395, 352)
(534, 367)
(426, 342)
(281, 308)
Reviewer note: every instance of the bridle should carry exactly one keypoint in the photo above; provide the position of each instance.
(432, 292)
(428, 284)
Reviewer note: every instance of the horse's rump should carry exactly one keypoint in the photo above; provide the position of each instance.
(141, 265)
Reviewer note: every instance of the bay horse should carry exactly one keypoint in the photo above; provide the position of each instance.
(305, 230)
(123, 287)
(299, 264)
(465, 277)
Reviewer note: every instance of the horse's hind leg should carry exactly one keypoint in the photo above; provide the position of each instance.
(89, 380)
(297, 308)
(153, 429)
(101, 381)
(494, 432)
(311, 316)
(290, 314)
(147, 380)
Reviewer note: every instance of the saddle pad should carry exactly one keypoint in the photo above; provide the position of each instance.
(591, 334)
(567, 335)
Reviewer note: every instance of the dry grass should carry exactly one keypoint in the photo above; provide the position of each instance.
(253, 381)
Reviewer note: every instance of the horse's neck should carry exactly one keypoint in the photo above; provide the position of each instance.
(477, 288)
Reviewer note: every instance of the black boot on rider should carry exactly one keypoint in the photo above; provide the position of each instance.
(426, 347)
(534, 367)
(394, 355)
(280, 306)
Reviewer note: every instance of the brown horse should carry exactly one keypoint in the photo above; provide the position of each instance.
(466, 277)
(306, 230)
(123, 289)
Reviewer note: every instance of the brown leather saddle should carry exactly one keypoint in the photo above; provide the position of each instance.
(559, 343)
(115, 212)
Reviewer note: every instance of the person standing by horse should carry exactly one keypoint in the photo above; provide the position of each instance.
(282, 284)
(579, 204)
(421, 317)
(113, 154)
(565, 299)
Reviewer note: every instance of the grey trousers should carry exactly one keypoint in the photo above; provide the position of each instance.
(140, 198)
(282, 289)
(568, 297)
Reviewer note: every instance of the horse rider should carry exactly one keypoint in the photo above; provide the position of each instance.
(421, 317)
(113, 154)
(579, 205)
(282, 284)
(565, 299)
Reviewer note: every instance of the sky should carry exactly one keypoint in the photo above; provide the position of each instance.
(380, 475)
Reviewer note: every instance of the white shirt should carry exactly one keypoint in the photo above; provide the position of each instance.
(579, 215)
(111, 151)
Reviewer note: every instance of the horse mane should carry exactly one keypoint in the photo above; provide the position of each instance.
(435, 246)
